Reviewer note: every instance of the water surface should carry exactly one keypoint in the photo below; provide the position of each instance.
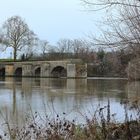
(75, 97)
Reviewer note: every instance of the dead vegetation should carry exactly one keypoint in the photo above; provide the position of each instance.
(102, 126)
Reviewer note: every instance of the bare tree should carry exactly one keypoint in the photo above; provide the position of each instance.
(121, 25)
(121, 29)
(64, 47)
(44, 46)
(82, 49)
(120, 16)
(108, 4)
(16, 34)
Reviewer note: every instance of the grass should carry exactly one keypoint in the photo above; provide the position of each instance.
(101, 127)
(5, 60)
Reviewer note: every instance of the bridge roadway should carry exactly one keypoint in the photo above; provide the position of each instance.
(68, 68)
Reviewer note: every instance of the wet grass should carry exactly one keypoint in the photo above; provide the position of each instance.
(102, 126)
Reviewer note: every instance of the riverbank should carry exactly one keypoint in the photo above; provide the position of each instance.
(107, 78)
(102, 126)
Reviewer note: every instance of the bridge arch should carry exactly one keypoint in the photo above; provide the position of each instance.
(2, 71)
(59, 71)
(37, 71)
(18, 72)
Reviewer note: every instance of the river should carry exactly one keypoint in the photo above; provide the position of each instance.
(76, 98)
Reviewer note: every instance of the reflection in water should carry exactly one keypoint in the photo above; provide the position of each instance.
(21, 95)
(133, 89)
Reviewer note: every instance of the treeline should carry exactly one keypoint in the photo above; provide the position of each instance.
(101, 62)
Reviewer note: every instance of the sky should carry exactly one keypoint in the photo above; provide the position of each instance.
(52, 20)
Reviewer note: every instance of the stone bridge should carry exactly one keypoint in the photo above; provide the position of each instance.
(67, 68)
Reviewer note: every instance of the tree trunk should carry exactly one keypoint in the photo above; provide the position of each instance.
(15, 54)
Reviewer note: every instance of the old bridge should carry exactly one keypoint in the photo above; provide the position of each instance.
(68, 68)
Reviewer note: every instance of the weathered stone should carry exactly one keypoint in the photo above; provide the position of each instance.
(71, 70)
(65, 68)
(9, 70)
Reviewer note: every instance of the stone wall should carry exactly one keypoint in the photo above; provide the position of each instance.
(73, 70)
(81, 70)
(9, 70)
(27, 70)
(45, 70)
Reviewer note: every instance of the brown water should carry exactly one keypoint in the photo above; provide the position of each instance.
(22, 96)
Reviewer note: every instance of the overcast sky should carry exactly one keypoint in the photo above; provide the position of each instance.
(52, 20)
